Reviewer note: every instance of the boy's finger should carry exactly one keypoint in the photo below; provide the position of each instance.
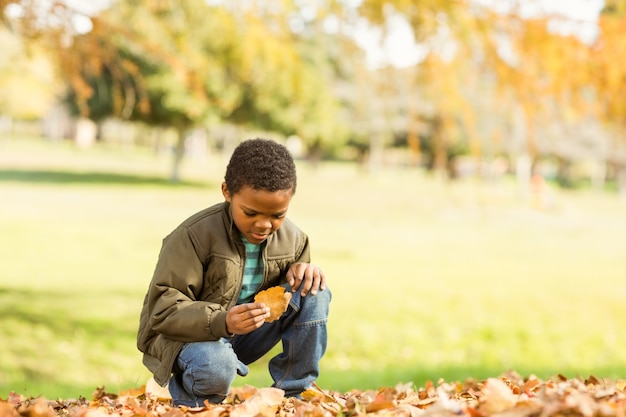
(291, 279)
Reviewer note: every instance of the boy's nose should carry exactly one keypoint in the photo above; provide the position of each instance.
(264, 224)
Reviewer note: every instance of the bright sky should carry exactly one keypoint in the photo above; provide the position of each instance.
(400, 50)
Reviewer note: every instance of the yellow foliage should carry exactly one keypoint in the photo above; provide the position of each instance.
(27, 82)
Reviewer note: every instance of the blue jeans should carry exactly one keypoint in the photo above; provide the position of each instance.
(206, 370)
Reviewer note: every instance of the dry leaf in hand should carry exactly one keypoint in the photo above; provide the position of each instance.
(276, 299)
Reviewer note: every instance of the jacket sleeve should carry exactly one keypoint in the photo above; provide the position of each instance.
(175, 310)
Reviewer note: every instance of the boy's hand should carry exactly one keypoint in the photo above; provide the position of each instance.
(244, 318)
(306, 277)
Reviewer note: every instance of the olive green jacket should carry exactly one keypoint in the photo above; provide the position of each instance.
(198, 277)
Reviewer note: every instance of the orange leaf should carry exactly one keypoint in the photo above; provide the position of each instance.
(133, 392)
(276, 299)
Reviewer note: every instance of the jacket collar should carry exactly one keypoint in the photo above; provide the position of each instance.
(233, 232)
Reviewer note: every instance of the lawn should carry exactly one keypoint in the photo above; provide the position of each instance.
(430, 279)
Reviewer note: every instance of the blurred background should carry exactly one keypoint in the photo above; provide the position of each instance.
(462, 175)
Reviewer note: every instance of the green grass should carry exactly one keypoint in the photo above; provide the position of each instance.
(430, 280)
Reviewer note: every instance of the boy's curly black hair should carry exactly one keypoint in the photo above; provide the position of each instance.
(261, 164)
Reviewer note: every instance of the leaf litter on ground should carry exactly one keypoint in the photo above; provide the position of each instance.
(509, 395)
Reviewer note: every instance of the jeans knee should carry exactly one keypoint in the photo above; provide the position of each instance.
(320, 300)
(314, 308)
(210, 369)
(207, 381)
(327, 295)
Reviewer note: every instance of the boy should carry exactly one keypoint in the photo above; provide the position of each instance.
(199, 325)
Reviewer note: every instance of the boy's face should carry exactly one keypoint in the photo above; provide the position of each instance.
(258, 213)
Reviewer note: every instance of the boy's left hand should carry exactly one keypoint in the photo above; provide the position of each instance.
(307, 278)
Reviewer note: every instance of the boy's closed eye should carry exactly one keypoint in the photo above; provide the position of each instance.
(276, 216)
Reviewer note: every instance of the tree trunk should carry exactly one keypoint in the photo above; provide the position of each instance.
(440, 148)
(85, 135)
(377, 147)
(598, 175)
(178, 154)
(523, 173)
(564, 174)
(621, 181)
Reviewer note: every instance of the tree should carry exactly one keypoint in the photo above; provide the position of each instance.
(26, 79)
(544, 74)
(188, 63)
(609, 73)
(167, 70)
(448, 33)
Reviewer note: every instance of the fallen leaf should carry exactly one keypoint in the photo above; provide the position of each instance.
(277, 299)
(133, 392)
(154, 390)
(497, 396)
(240, 394)
(264, 403)
(510, 395)
(7, 410)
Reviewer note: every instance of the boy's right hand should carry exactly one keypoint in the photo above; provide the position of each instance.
(244, 318)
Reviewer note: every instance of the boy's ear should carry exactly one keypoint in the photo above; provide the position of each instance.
(225, 192)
